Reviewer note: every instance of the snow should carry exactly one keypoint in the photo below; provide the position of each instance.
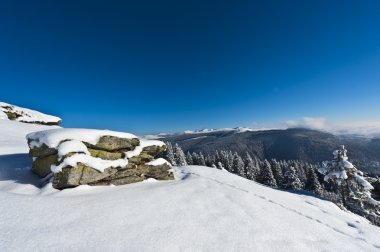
(347, 164)
(159, 161)
(236, 129)
(93, 162)
(3, 115)
(363, 182)
(12, 135)
(204, 209)
(52, 138)
(340, 175)
(143, 143)
(27, 115)
(72, 146)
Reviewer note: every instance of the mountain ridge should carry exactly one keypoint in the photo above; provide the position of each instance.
(284, 144)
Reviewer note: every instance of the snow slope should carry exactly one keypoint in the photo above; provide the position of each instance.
(203, 210)
(13, 136)
(27, 115)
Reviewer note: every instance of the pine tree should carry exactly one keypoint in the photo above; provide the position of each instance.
(227, 160)
(170, 154)
(303, 171)
(220, 166)
(238, 165)
(277, 171)
(251, 168)
(312, 183)
(217, 157)
(266, 176)
(195, 158)
(179, 156)
(210, 160)
(201, 159)
(354, 189)
(189, 159)
(291, 180)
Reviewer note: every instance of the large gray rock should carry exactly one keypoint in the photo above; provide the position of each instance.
(41, 166)
(79, 175)
(136, 174)
(84, 175)
(111, 143)
(42, 151)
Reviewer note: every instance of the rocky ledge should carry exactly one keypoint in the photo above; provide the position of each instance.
(74, 157)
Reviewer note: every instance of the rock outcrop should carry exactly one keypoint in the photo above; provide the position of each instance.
(96, 157)
(15, 113)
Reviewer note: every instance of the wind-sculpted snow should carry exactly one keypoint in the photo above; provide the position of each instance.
(204, 209)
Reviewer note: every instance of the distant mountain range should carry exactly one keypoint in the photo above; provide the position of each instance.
(283, 144)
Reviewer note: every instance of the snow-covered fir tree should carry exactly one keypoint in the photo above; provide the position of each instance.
(277, 172)
(266, 175)
(291, 180)
(238, 165)
(189, 159)
(210, 160)
(354, 189)
(195, 158)
(179, 156)
(220, 166)
(227, 160)
(201, 159)
(251, 168)
(170, 154)
(312, 183)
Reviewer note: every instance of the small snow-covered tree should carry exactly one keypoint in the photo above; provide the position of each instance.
(277, 171)
(201, 159)
(354, 188)
(189, 159)
(210, 160)
(220, 166)
(238, 165)
(291, 180)
(312, 183)
(195, 158)
(227, 160)
(179, 156)
(251, 168)
(266, 176)
(170, 154)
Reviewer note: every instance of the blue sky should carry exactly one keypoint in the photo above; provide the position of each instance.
(164, 66)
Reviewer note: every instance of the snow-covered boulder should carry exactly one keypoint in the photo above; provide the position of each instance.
(15, 113)
(96, 157)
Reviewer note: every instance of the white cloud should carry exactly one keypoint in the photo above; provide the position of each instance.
(369, 128)
(308, 122)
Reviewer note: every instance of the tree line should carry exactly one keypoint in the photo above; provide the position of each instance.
(351, 193)
(283, 174)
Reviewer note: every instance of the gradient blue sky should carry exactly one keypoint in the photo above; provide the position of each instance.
(164, 66)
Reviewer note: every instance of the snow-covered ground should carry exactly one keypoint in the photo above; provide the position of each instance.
(13, 135)
(204, 209)
(27, 115)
